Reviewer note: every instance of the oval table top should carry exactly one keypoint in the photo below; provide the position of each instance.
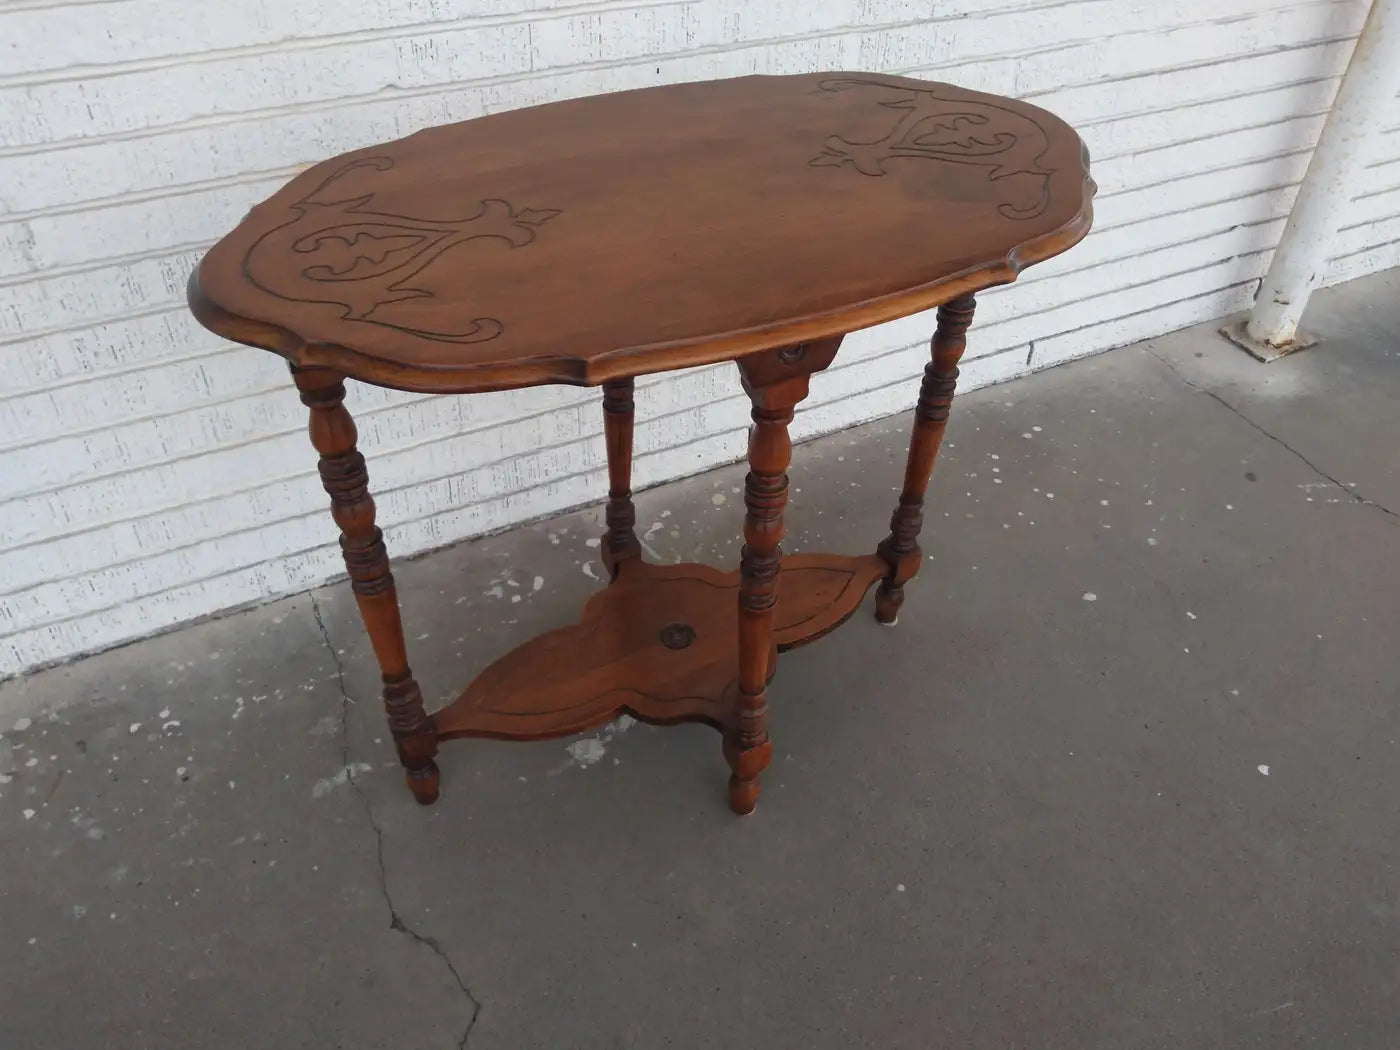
(635, 232)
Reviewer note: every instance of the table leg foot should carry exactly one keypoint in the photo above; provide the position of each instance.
(888, 598)
(747, 764)
(415, 739)
(424, 782)
(886, 604)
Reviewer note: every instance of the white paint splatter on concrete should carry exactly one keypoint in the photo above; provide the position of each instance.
(591, 750)
(325, 786)
(165, 713)
(1190, 615)
(538, 584)
(586, 752)
(28, 814)
(718, 499)
(1264, 770)
(1090, 596)
(899, 888)
(134, 728)
(588, 571)
(22, 724)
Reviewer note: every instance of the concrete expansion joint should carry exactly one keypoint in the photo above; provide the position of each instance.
(1348, 489)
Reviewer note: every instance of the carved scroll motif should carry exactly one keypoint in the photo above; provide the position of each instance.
(962, 131)
(365, 260)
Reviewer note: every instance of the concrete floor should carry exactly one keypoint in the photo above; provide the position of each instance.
(1124, 776)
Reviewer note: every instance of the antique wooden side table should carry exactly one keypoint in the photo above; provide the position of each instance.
(591, 241)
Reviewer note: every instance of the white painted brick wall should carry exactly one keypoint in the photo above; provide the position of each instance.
(150, 473)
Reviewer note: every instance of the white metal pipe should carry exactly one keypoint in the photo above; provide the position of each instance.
(1364, 101)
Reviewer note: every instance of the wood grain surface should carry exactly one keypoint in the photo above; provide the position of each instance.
(644, 230)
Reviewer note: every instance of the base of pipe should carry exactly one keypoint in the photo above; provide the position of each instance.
(1238, 333)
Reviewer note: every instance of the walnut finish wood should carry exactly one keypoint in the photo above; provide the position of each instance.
(598, 239)
(645, 230)
(659, 644)
(901, 548)
(346, 481)
(620, 541)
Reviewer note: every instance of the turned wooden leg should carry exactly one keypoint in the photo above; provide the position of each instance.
(775, 382)
(347, 482)
(901, 548)
(620, 541)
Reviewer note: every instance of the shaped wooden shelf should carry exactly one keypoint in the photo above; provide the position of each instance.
(659, 643)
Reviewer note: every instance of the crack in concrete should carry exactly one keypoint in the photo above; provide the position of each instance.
(395, 919)
(1350, 491)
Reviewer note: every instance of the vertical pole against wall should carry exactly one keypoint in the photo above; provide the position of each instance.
(1365, 100)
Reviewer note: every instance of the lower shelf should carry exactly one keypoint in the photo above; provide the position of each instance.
(659, 643)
